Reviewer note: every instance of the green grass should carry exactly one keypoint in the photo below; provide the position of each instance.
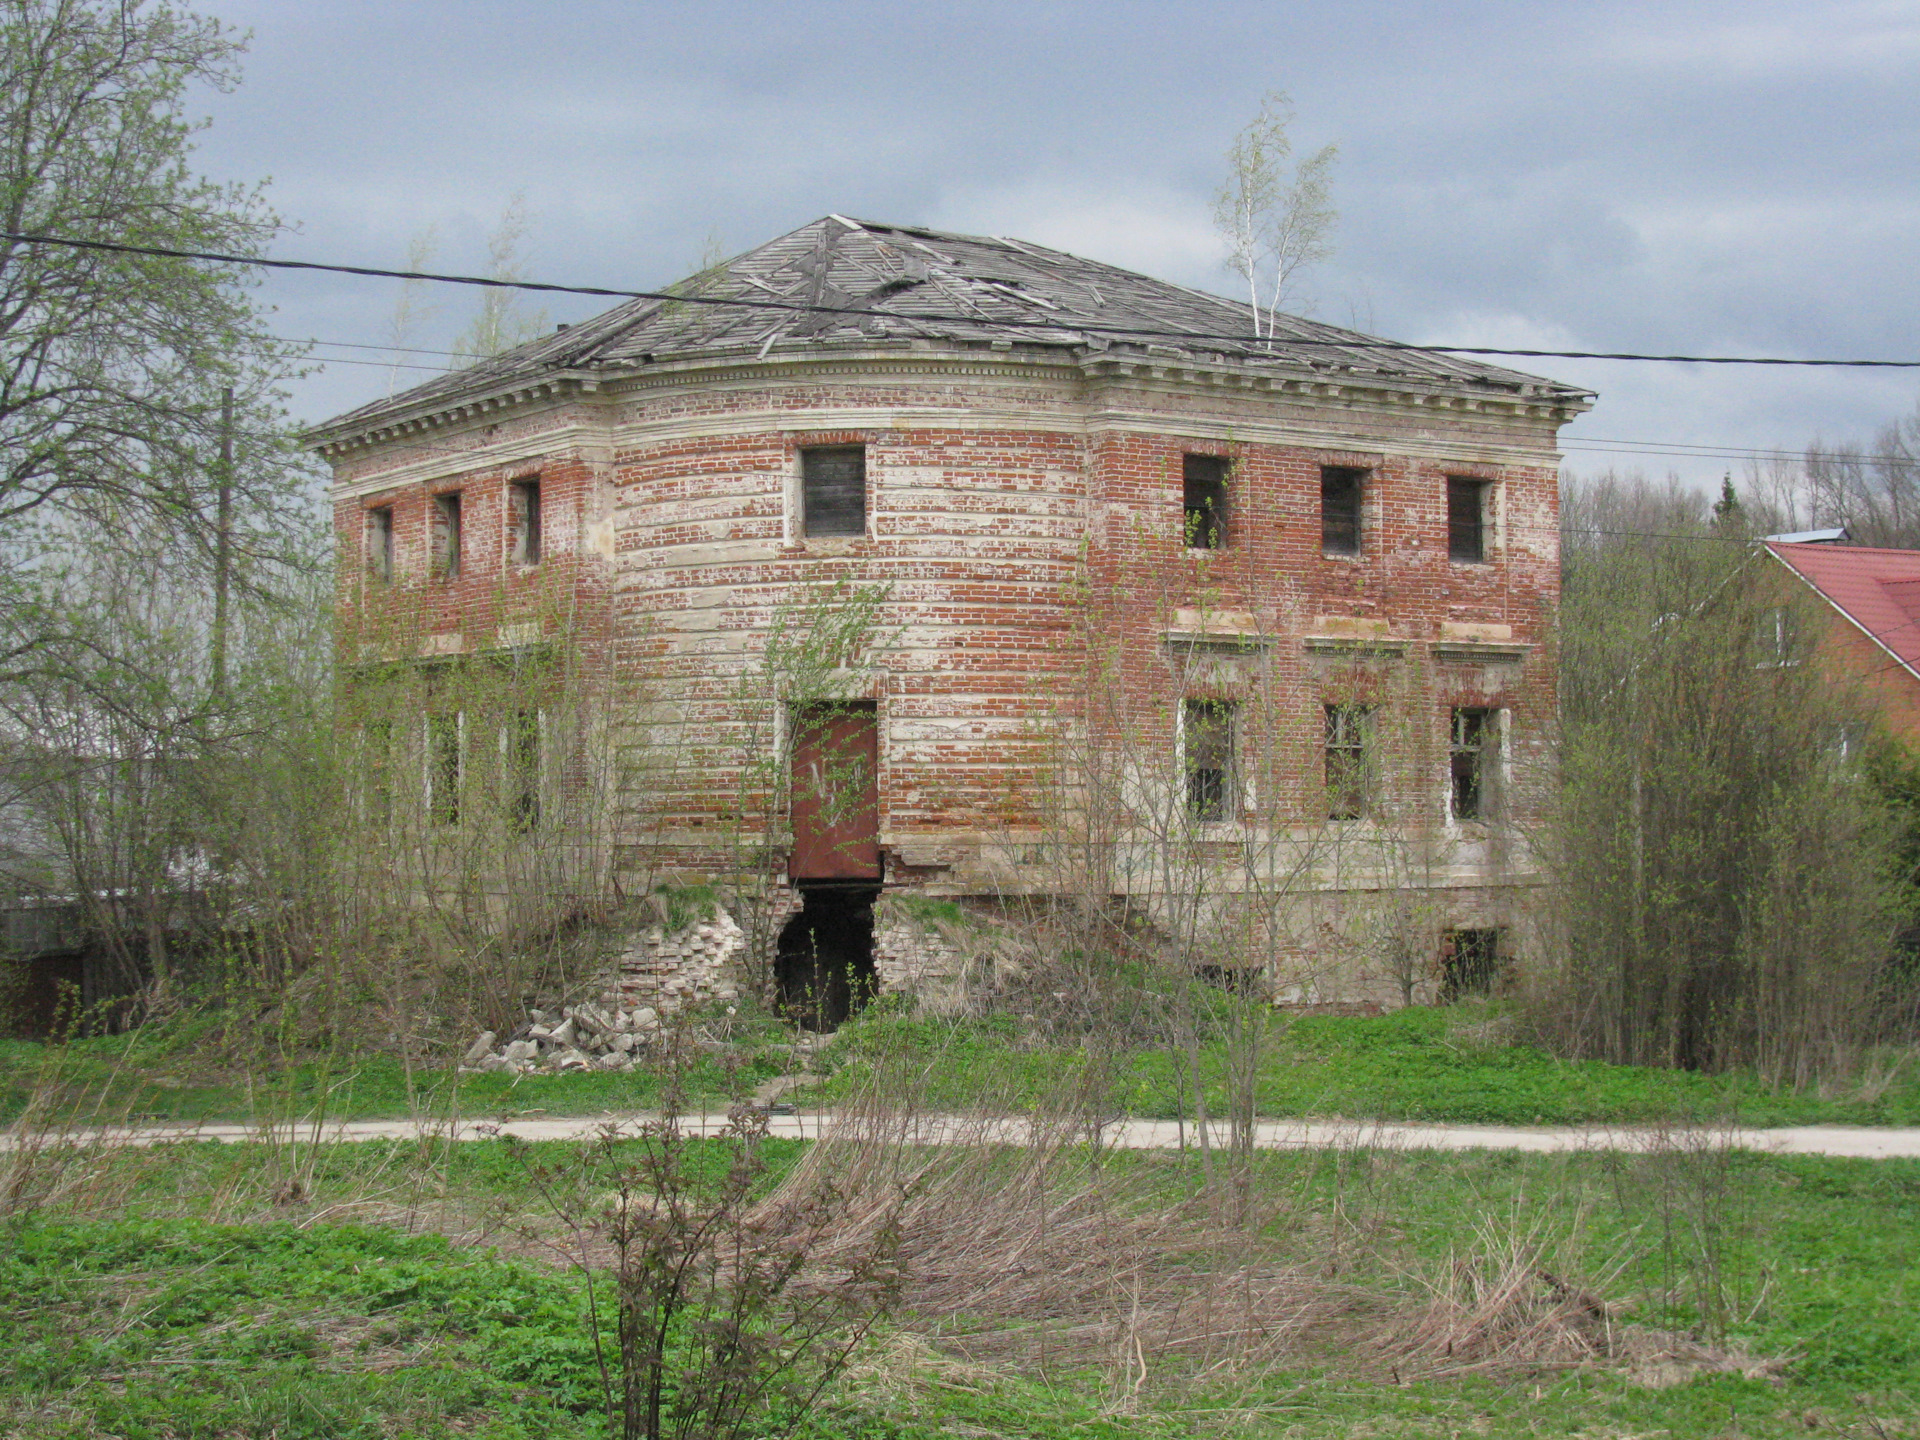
(151, 1329)
(156, 1323)
(181, 1071)
(1413, 1064)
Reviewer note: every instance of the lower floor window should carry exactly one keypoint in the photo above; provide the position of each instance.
(523, 770)
(444, 769)
(1206, 728)
(1469, 751)
(1349, 760)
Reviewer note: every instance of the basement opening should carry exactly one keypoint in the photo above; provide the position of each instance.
(823, 965)
(1469, 963)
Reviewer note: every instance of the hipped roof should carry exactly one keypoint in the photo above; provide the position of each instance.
(905, 283)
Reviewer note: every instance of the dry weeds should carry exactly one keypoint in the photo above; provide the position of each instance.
(1034, 1249)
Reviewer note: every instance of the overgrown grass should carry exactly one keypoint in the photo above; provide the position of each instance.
(158, 1323)
(188, 1069)
(1436, 1064)
(1440, 1064)
(181, 1328)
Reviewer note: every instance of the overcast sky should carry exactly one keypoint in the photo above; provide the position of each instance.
(1735, 178)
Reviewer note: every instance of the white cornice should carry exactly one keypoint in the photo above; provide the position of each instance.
(465, 451)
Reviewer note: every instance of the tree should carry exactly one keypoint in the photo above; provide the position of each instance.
(113, 366)
(1722, 875)
(501, 322)
(1275, 218)
(1872, 490)
(154, 539)
(410, 311)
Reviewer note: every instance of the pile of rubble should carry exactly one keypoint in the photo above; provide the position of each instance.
(578, 1037)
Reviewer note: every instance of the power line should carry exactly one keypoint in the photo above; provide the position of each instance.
(1672, 449)
(1579, 444)
(605, 292)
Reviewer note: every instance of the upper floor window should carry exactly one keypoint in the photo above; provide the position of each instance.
(446, 535)
(1206, 742)
(380, 542)
(1466, 519)
(833, 490)
(523, 522)
(1340, 488)
(1204, 510)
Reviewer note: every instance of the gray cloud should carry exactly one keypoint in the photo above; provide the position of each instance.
(1599, 175)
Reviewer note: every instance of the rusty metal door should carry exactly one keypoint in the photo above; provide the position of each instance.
(836, 795)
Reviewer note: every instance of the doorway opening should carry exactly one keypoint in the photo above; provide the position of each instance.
(835, 798)
(823, 965)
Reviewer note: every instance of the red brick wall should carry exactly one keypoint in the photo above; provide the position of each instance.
(994, 495)
(1855, 659)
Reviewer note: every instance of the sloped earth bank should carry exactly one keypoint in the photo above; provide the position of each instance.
(1054, 1289)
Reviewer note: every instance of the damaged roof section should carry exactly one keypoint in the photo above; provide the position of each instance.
(904, 284)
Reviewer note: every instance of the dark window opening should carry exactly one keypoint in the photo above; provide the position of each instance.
(380, 543)
(1466, 520)
(1205, 512)
(523, 515)
(1340, 509)
(523, 771)
(833, 490)
(1349, 760)
(378, 740)
(446, 535)
(443, 769)
(1468, 748)
(1243, 980)
(1469, 963)
(1207, 743)
(823, 964)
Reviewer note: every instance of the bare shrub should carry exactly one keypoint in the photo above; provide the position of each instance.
(1683, 1183)
(66, 1153)
(731, 1317)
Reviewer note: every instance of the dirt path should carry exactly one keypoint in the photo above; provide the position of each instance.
(1862, 1142)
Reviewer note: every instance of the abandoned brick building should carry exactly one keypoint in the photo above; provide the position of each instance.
(1133, 579)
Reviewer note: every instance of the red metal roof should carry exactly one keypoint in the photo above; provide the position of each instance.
(1878, 590)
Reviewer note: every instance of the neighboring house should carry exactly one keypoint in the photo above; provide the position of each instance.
(1873, 597)
(1294, 591)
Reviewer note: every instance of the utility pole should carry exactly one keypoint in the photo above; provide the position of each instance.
(222, 548)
